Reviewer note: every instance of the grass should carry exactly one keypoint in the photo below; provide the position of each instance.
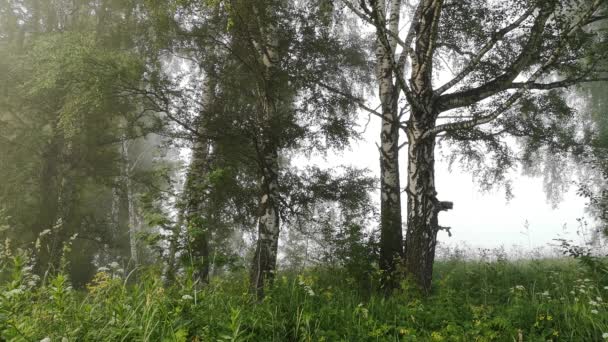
(533, 300)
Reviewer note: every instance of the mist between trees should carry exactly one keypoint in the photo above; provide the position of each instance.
(161, 133)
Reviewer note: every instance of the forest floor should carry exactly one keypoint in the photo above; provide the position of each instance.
(529, 300)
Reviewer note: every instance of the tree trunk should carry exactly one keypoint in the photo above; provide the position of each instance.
(133, 221)
(197, 212)
(122, 238)
(49, 204)
(265, 258)
(391, 236)
(423, 208)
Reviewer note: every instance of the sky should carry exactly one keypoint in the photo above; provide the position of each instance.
(479, 219)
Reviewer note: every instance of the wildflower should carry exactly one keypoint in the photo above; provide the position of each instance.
(595, 312)
(599, 299)
(31, 283)
(546, 293)
(45, 232)
(572, 292)
(187, 297)
(605, 336)
(13, 292)
(103, 269)
(587, 279)
(113, 264)
(120, 270)
(581, 291)
(46, 339)
(520, 287)
(594, 303)
(605, 287)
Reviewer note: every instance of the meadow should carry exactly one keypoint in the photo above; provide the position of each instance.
(489, 299)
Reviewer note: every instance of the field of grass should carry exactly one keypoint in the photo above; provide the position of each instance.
(533, 300)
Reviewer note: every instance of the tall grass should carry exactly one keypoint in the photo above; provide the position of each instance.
(499, 300)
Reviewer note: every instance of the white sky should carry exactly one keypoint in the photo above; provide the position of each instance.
(481, 220)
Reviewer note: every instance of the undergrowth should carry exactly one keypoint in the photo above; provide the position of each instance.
(534, 300)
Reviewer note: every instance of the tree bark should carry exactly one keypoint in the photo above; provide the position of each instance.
(265, 258)
(391, 236)
(49, 204)
(197, 215)
(423, 208)
(133, 220)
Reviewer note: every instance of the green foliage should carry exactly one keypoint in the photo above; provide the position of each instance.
(534, 300)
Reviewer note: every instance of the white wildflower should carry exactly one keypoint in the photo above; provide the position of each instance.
(587, 279)
(581, 291)
(103, 269)
(605, 287)
(546, 293)
(599, 299)
(45, 232)
(187, 297)
(28, 269)
(46, 339)
(113, 264)
(31, 283)
(64, 339)
(595, 312)
(520, 287)
(572, 292)
(605, 336)
(120, 270)
(13, 292)
(594, 303)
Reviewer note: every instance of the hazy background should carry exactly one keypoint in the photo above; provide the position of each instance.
(479, 219)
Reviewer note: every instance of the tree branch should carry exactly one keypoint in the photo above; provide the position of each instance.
(526, 57)
(496, 37)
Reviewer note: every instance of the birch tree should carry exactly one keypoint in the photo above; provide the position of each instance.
(506, 52)
(287, 53)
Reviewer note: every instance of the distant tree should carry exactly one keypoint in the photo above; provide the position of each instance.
(63, 120)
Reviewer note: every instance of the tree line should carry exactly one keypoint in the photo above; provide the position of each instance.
(98, 99)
